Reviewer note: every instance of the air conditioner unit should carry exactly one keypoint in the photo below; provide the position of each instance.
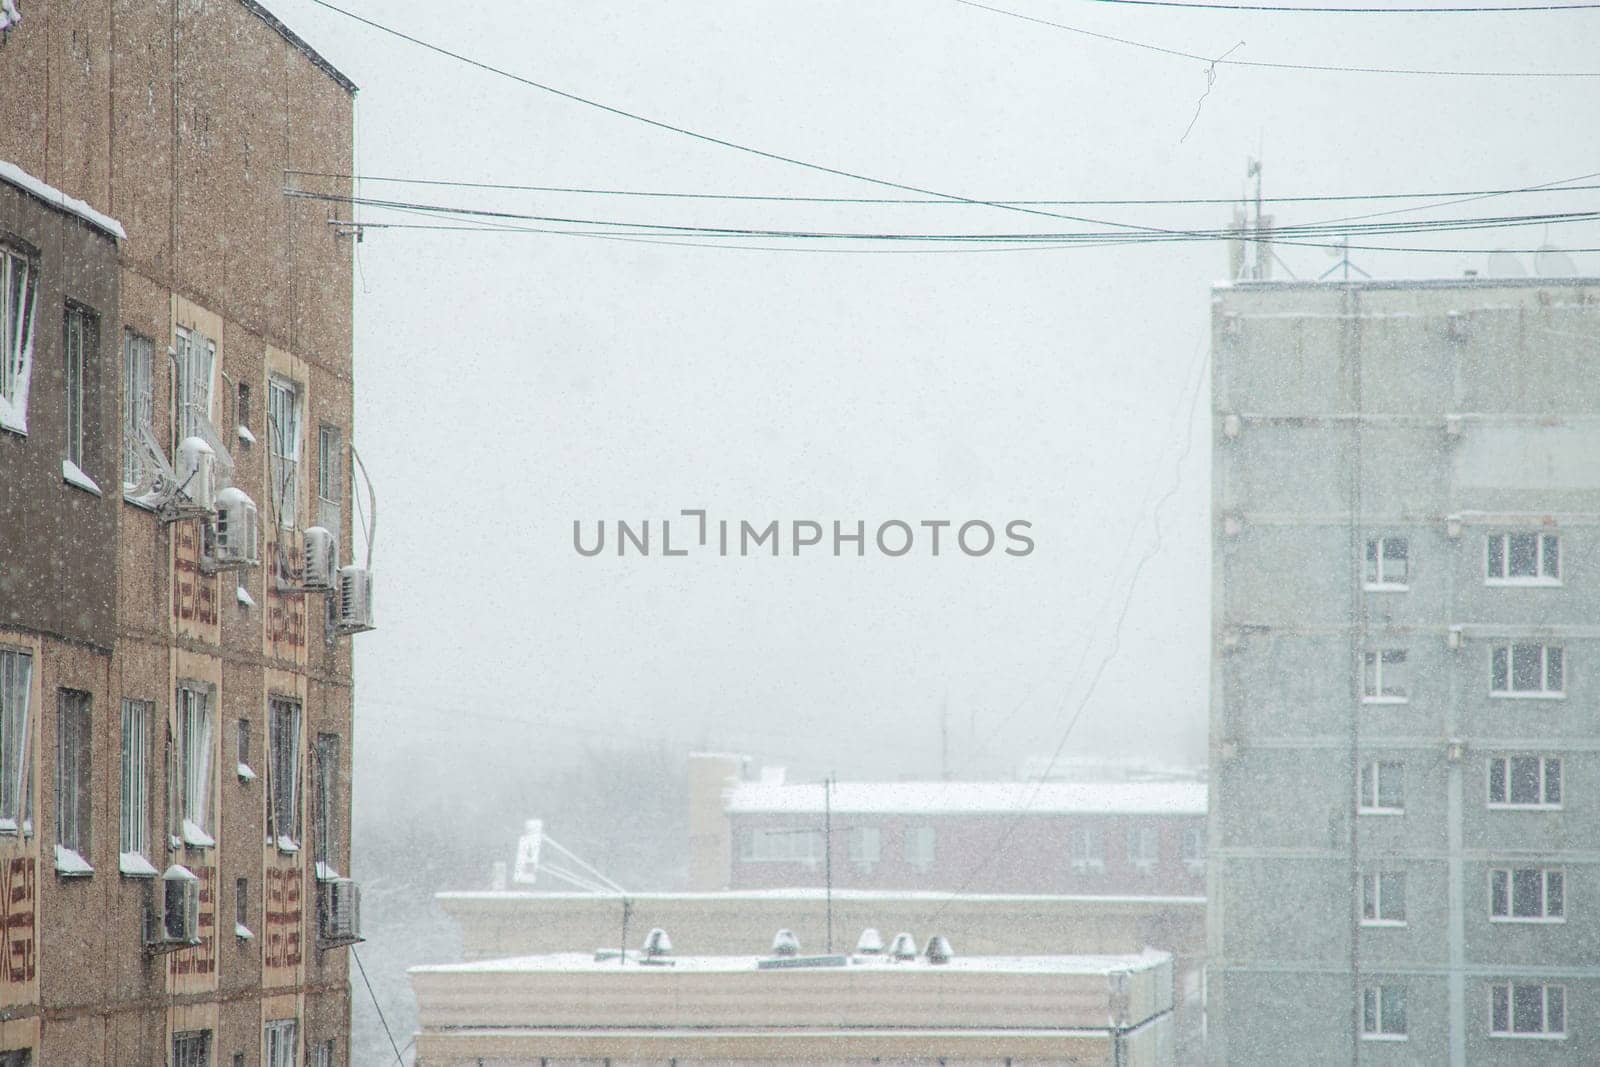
(177, 923)
(339, 911)
(197, 474)
(321, 559)
(236, 534)
(355, 600)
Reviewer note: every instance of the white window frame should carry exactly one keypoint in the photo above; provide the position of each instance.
(74, 782)
(18, 312)
(281, 1041)
(138, 405)
(1144, 848)
(284, 717)
(1086, 849)
(16, 740)
(196, 756)
(1372, 675)
(1376, 577)
(1378, 892)
(1546, 571)
(1375, 1002)
(1371, 790)
(866, 845)
(192, 393)
(1503, 880)
(325, 800)
(1507, 778)
(766, 844)
(1507, 990)
(80, 329)
(1509, 652)
(1192, 847)
(134, 824)
(284, 405)
(920, 845)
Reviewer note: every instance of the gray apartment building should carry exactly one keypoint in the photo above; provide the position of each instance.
(1405, 718)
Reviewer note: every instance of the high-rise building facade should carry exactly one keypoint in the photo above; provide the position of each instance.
(1405, 717)
(175, 480)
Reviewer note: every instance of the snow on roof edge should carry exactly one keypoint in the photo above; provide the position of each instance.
(15, 175)
(300, 43)
(972, 798)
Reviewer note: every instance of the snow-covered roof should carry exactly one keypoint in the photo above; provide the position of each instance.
(952, 798)
(15, 175)
(818, 894)
(587, 961)
(300, 43)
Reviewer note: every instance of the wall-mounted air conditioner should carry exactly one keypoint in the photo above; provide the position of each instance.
(236, 532)
(197, 474)
(355, 600)
(321, 559)
(176, 923)
(338, 912)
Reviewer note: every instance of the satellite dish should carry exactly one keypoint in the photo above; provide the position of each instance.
(526, 871)
(1505, 265)
(1551, 262)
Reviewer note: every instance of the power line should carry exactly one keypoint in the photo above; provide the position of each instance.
(777, 198)
(1351, 10)
(1266, 65)
(1277, 235)
(377, 1007)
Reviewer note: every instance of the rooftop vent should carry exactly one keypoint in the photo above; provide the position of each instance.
(938, 950)
(904, 947)
(785, 944)
(657, 944)
(871, 943)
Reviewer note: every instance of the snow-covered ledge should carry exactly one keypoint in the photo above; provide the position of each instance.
(71, 865)
(72, 474)
(15, 175)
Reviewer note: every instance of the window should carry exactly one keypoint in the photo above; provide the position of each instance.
(194, 770)
(283, 433)
(191, 1048)
(1386, 679)
(1383, 1013)
(1527, 894)
(329, 484)
(135, 843)
(241, 908)
(1388, 563)
(246, 774)
(1142, 847)
(919, 843)
(1527, 1010)
(1383, 787)
(1383, 899)
(283, 786)
(1527, 671)
(138, 409)
(322, 1055)
(1194, 848)
(1524, 782)
(866, 844)
(197, 358)
(1524, 559)
(17, 278)
(1087, 849)
(16, 682)
(783, 846)
(81, 331)
(326, 812)
(21, 1057)
(241, 412)
(74, 802)
(283, 1043)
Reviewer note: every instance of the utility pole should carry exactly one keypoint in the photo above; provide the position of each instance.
(622, 957)
(944, 738)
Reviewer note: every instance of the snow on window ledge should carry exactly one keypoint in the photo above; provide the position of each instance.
(195, 837)
(245, 600)
(1386, 587)
(1383, 1037)
(13, 416)
(72, 474)
(286, 843)
(71, 865)
(8, 826)
(245, 773)
(245, 435)
(327, 873)
(135, 865)
(242, 932)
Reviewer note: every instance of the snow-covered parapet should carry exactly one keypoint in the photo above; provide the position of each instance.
(15, 175)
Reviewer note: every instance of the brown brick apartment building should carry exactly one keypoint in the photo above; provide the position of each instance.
(175, 414)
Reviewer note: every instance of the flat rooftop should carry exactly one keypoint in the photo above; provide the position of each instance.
(970, 798)
(590, 962)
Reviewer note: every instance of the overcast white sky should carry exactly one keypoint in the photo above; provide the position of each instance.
(509, 384)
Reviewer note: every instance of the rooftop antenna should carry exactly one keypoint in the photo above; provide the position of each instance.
(1342, 250)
